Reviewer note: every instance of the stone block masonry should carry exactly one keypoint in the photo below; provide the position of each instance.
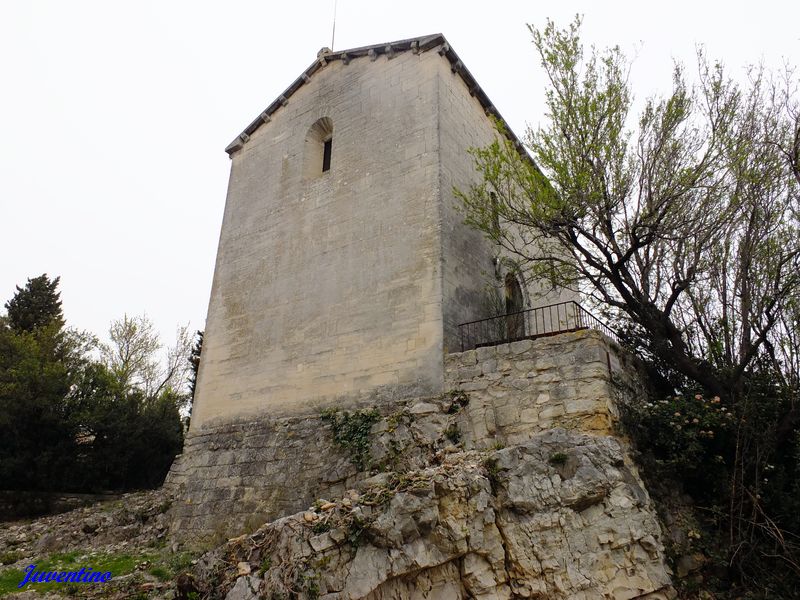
(568, 380)
(327, 283)
(350, 278)
(236, 475)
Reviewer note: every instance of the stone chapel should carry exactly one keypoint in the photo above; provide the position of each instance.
(348, 289)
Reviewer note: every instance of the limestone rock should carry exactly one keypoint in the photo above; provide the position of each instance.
(245, 588)
(498, 524)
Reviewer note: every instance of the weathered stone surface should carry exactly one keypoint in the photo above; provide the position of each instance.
(238, 475)
(423, 408)
(371, 264)
(245, 588)
(570, 380)
(235, 477)
(493, 525)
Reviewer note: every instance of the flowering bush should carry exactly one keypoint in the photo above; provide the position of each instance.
(689, 435)
(740, 463)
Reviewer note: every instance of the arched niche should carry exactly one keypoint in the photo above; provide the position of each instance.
(318, 148)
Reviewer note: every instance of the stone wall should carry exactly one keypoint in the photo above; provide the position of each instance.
(237, 475)
(467, 258)
(469, 263)
(339, 284)
(233, 477)
(560, 516)
(328, 284)
(530, 386)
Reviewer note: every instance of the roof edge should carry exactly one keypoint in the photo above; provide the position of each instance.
(415, 45)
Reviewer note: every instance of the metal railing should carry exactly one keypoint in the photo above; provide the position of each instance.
(529, 324)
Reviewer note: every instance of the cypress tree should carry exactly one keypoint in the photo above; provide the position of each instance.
(36, 305)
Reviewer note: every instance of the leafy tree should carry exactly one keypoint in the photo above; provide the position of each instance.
(37, 445)
(133, 357)
(137, 393)
(39, 360)
(130, 439)
(686, 227)
(36, 305)
(683, 226)
(71, 423)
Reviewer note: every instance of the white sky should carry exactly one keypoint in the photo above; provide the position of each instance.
(114, 115)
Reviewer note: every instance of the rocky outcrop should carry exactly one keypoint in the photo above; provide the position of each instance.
(237, 475)
(559, 516)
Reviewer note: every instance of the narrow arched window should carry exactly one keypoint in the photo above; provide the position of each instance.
(327, 148)
(318, 150)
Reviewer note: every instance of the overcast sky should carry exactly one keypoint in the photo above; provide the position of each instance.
(114, 115)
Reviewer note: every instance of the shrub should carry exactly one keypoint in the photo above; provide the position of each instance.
(688, 436)
(453, 433)
(351, 431)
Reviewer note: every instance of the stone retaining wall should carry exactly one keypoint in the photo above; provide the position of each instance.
(233, 477)
(569, 380)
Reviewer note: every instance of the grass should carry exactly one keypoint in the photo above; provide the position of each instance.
(180, 561)
(164, 568)
(160, 573)
(116, 564)
(10, 557)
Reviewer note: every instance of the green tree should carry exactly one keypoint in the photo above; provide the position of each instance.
(36, 305)
(130, 439)
(683, 226)
(69, 422)
(39, 360)
(39, 431)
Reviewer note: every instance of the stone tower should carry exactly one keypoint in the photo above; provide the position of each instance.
(344, 270)
(344, 265)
